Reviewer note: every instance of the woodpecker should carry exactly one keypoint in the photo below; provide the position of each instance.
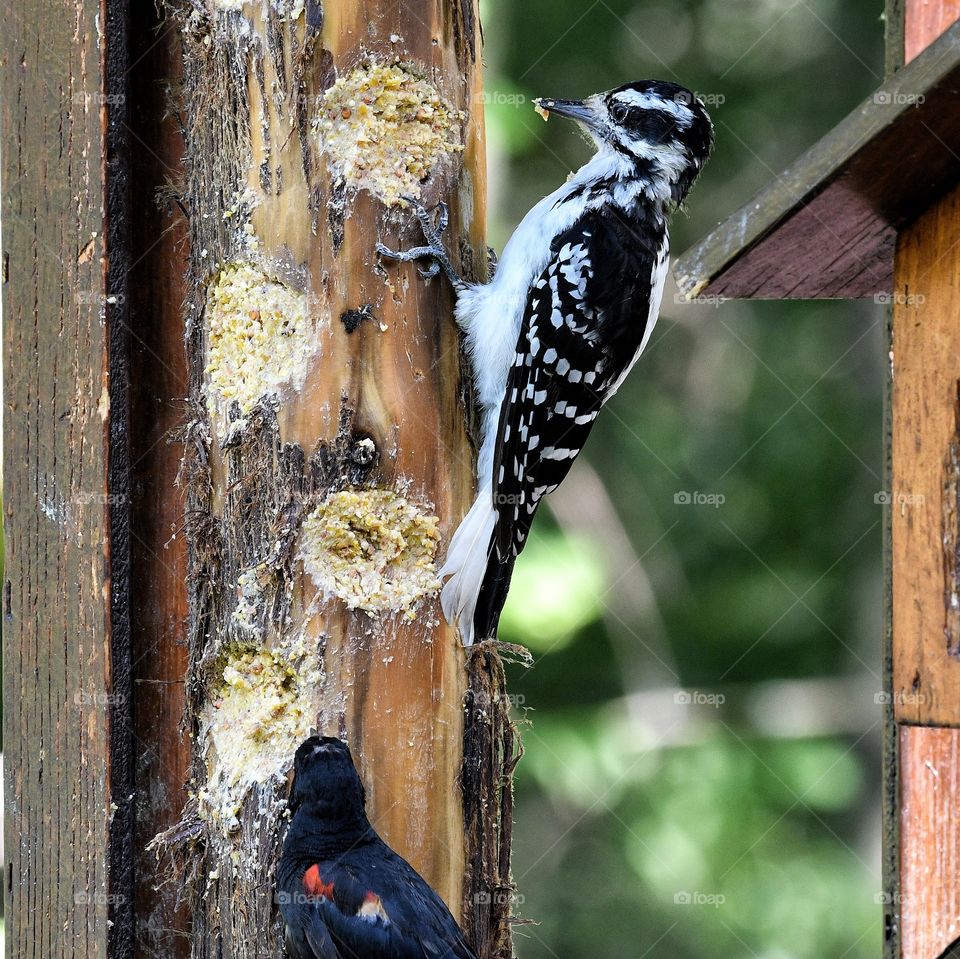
(569, 310)
(343, 892)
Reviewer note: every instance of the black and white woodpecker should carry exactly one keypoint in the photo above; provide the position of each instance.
(569, 310)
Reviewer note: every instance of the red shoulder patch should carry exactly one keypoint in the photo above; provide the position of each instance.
(315, 886)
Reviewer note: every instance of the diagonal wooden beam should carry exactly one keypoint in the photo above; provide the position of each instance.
(826, 226)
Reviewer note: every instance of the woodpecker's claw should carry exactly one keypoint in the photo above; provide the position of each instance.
(429, 272)
(433, 251)
(493, 261)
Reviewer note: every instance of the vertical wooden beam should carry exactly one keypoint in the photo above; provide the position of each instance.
(65, 651)
(156, 290)
(926, 469)
(924, 913)
(890, 801)
(925, 518)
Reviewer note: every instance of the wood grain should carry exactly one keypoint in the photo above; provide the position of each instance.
(395, 688)
(924, 21)
(158, 375)
(926, 371)
(826, 226)
(57, 657)
(929, 841)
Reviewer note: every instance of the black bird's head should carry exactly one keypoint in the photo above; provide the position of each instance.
(325, 781)
(660, 127)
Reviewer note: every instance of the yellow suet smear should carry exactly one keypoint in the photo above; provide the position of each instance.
(373, 549)
(384, 130)
(260, 338)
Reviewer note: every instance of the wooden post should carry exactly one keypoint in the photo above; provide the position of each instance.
(221, 184)
(325, 451)
(68, 761)
(925, 562)
(157, 364)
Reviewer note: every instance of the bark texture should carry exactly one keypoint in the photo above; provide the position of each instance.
(326, 457)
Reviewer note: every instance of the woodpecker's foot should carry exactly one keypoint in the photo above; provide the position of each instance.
(493, 261)
(434, 251)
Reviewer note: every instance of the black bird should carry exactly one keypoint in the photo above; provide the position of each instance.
(343, 892)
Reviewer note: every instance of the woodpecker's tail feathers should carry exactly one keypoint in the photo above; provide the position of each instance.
(493, 595)
(466, 566)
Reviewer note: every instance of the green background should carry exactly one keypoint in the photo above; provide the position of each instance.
(702, 726)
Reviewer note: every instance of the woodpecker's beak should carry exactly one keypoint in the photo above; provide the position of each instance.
(574, 109)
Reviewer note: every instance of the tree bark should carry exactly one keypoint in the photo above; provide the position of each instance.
(326, 456)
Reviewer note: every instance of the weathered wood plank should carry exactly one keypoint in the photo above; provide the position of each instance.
(890, 828)
(926, 469)
(893, 23)
(924, 22)
(826, 226)
(158, 372)
(929, 902)
(62, 882)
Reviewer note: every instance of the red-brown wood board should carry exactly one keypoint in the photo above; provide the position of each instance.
(929, 898)
(924, 21)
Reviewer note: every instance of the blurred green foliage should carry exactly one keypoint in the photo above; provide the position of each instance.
(704, 604)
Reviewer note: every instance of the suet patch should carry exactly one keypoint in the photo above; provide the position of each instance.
(385, 130)
(255, 719)
(373, 549)
(260, 339)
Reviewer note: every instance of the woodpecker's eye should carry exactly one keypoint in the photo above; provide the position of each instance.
(619, 111)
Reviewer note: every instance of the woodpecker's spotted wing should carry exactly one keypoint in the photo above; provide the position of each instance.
(585, 322)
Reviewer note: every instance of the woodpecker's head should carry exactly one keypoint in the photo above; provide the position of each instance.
(325, 781)
(661, 128)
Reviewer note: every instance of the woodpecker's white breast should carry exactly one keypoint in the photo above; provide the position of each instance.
(491, 314)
